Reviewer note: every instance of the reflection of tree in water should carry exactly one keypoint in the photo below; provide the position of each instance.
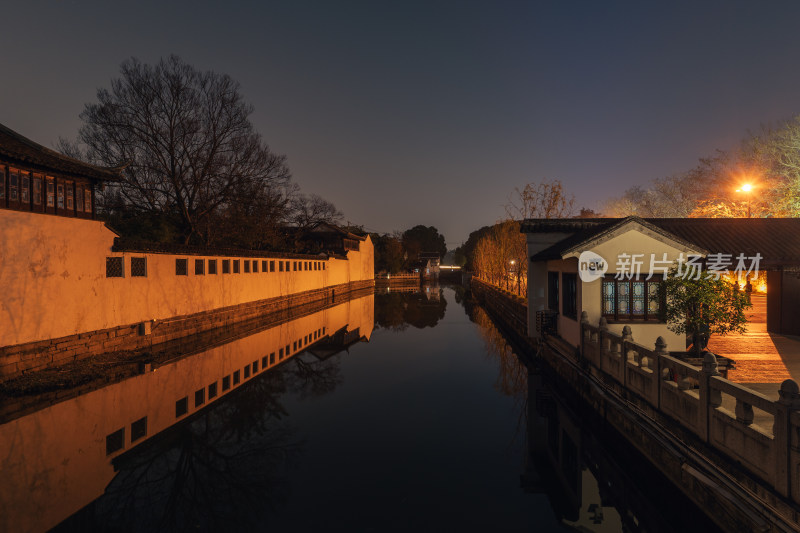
(396, 310)
(512, 379)
(223, 469)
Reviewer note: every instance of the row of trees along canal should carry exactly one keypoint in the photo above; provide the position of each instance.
(195, 169)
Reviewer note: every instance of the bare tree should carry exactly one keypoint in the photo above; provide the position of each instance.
(308, 210)
(546, 199)
(188, 141)
(671, 197)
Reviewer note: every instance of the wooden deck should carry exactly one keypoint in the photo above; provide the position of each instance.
(760, 357)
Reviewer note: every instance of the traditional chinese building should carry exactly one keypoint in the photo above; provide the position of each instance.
(39, 180)
(634, 255)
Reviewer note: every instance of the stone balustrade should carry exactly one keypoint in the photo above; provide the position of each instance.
(718, 411)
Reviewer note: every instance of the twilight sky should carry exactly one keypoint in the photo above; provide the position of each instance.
(432, 112)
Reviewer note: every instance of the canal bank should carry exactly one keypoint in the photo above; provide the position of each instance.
(622, 391)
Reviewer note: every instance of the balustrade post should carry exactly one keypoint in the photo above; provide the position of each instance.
(660, 351)
(784, 478)
(584, 331)
(603, 341)
(709, 398)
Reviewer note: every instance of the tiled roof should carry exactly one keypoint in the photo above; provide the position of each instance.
(16, 149)
(776, 239)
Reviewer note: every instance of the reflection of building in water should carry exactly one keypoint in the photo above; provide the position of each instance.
(59, 459)
(595, 481)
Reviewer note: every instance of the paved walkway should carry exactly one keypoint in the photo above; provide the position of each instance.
(763, 360)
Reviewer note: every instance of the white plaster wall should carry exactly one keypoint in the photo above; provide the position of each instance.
(53, 278)
(631, 242)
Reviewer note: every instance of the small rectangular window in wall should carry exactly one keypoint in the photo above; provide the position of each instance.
(212, 390)
(263, 362)
(115, 441)
(139, 429)
(87, 197)
(272, 266)
(70, 195)
(79, 199)
(181, 407)
(295, 266)
(247, 372)
(51, 193)
(235, 266)
(199, 397)
(114, 267)
(280, 354)
(255, 367)
(199, 267)
(255, 266)
(237, 377)
(60, 195)
(569, 293)
(272, 358)
(138, 267)
(13, 185)
(264, 267)
(280, 266)
(25, 192)
(323, 266)
(226, 266)
(226, 383)
(246, 266)
(212, 266)
(181, 267)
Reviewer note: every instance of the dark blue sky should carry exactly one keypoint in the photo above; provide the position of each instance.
(406, 113)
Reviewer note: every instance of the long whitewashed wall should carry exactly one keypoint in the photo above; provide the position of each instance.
(54, 284)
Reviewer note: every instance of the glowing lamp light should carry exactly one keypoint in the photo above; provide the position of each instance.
(747, 187)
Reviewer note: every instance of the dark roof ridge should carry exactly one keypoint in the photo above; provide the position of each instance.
(24, 150)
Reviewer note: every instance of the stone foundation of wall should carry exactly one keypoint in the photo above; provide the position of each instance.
(21, 358)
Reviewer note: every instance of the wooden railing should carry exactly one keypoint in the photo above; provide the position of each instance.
(693, 397)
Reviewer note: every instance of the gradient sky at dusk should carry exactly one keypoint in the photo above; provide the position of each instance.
(405, 113)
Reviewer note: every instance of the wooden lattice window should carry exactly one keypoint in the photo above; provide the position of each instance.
(635, 299)
(181, 267)
(114, 267)
(138, 267)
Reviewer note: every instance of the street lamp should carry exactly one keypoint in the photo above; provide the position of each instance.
(746, 188)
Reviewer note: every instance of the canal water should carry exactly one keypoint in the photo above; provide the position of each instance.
(397, 411)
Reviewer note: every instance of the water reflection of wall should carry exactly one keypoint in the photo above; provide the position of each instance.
(58, 459)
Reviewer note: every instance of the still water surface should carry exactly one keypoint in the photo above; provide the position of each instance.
(394, 412)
